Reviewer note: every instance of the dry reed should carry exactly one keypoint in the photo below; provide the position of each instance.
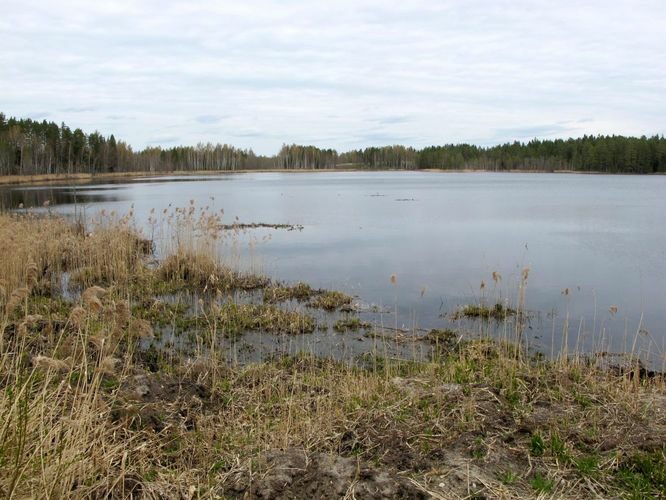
(88, 411)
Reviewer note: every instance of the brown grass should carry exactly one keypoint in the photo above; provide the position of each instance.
(86, 411)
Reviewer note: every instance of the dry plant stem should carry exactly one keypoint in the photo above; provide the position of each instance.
(89, 409)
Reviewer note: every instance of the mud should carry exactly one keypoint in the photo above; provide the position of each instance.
(294, 474)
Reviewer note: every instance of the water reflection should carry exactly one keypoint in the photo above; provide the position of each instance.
(600, 237)
(13, 198)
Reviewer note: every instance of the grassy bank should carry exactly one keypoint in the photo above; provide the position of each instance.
(95, 402)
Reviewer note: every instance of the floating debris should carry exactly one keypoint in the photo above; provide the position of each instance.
(259, 225)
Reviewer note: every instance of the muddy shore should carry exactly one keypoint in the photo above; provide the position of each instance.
(114, 389)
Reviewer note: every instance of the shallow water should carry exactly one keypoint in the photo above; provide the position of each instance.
(440, 234)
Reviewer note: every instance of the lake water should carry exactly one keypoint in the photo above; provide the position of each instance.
(441, 234)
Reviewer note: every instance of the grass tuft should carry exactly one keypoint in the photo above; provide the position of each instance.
(93, 407)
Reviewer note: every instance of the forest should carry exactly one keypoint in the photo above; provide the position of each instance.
(31, 147)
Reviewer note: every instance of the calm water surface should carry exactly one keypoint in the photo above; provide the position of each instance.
(601, 237)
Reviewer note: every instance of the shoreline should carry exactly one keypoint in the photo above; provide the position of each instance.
(153, 385)
(46, 179)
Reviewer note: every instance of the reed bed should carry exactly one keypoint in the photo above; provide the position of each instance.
(89, 409)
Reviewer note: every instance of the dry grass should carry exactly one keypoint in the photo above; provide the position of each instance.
(87, 412)
(195, 270)
(330, 300)
(497, 312)
(235, 318)
(351, 323)
(299, 291)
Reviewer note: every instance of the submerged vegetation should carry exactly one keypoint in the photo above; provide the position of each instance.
(299, 291)
(497, 312)
(236, 318)
(328, 300)
(29, 147)
(351, 323)
(97, 399)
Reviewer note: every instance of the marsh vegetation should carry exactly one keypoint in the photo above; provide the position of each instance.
(116, 381)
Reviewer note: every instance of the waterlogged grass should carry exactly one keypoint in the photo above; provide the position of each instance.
(88, 410)
(299, 291)
(351, 324)
(235, 318)
(330, 300)
(481, 311)
(190, 270)
(163, 313)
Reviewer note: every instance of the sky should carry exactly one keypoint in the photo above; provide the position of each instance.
(342, 74)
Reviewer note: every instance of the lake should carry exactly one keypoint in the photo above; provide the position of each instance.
(595, 245)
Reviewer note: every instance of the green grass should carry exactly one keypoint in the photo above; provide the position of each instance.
(643, 475)
(541, 484)
(537, 445)
(587, 465)
(508, 478)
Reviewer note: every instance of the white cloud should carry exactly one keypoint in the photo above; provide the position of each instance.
(338, 74)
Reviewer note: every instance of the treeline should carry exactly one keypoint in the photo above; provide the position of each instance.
(616, 154)
(385, 157)
(295, 156)
(29, 147)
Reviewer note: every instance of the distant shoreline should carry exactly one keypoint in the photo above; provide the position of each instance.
(14, 180)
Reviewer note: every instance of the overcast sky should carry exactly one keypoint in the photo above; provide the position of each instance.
(342, 74)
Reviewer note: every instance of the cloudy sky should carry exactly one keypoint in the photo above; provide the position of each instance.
(342, 74)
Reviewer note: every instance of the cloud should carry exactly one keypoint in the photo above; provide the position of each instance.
(248, 133)
(532, 131)
(37, 115)
(77, 109)
(157, 141)
(390, 120)
(208, 119)
(346, 74)
(120, 117)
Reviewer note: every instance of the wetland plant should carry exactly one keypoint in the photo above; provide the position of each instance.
(87, 411)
